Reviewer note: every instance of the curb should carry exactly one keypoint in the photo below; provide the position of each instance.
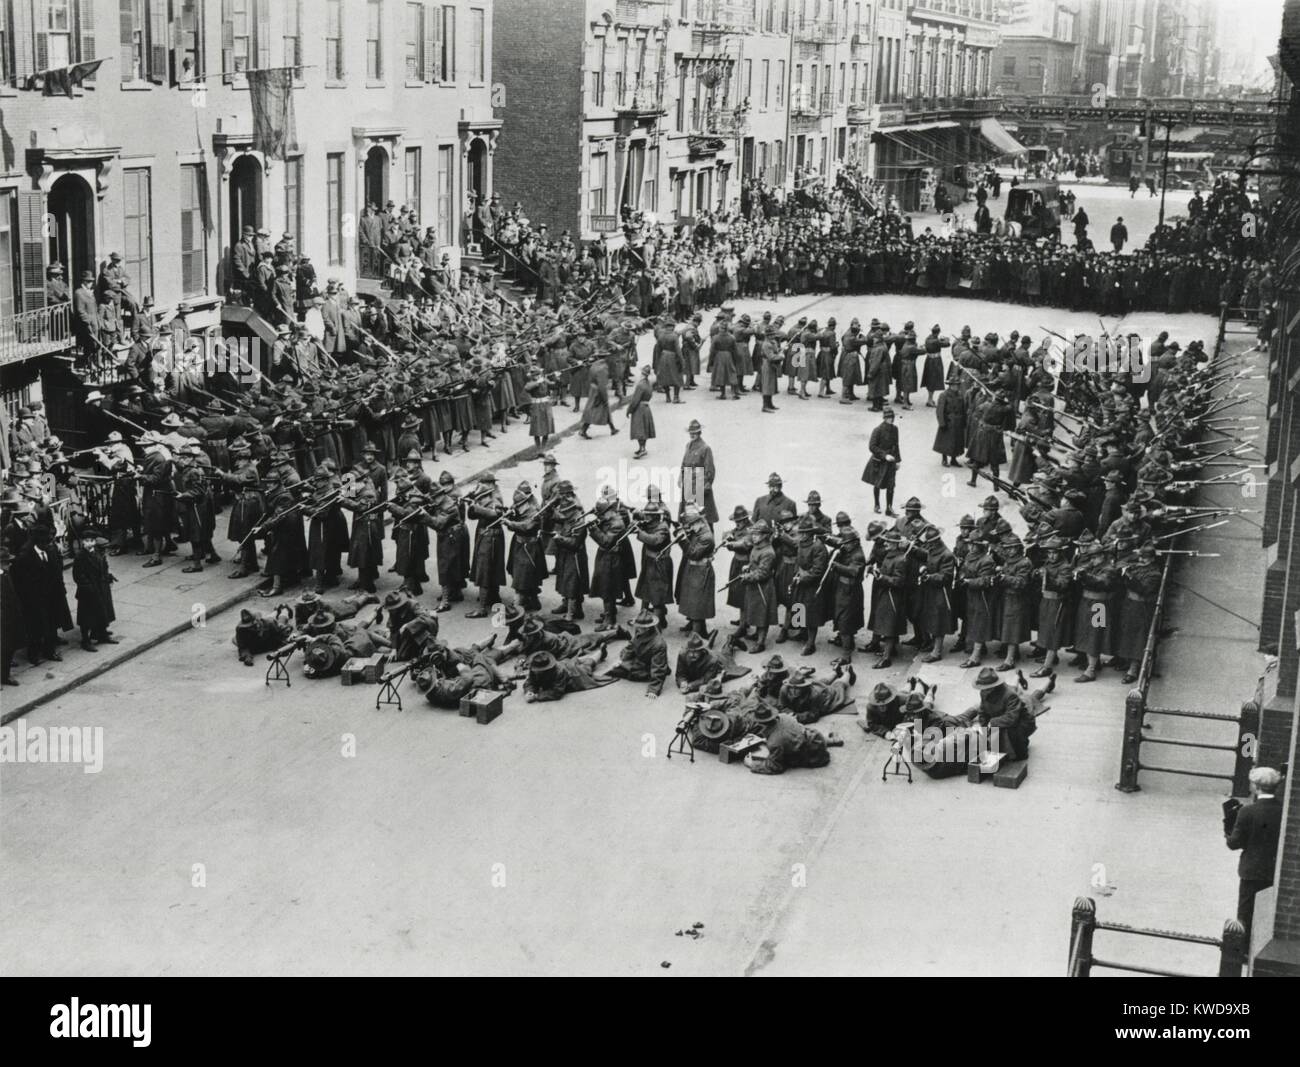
(153, 641)
(104, 665)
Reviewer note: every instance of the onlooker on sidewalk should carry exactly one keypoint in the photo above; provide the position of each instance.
(1255, 833)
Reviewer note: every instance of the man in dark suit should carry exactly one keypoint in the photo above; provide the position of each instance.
(1255, 833)
(85, 315)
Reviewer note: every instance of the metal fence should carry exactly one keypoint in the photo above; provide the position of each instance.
(35, 333)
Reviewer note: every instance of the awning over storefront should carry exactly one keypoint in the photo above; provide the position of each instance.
(996, 134)
(917, 127)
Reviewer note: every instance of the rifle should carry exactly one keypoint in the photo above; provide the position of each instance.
(1006, 487)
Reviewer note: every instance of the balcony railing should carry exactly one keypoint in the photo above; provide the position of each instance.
(717, 121)
(819, 31)
(640, 12)
(806, 105)
(643, 96)
(723, 16)
(35, 333)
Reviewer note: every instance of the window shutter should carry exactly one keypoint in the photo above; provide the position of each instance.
(449, 33)
(227, 43)
(32, 249)
(126, 38)
(22, 29)
(40, 34)
(435, 14)
(177, 48)
(86, 32)
(158, 41)
(429, 14)
(263, 8)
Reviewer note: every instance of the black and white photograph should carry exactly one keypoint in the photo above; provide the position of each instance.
(369, 609)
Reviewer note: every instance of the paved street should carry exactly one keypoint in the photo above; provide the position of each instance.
(228, 832)
(1104, 204)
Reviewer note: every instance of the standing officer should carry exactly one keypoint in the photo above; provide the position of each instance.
(697, 473)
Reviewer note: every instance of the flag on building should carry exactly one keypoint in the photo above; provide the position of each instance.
(60, 81)
(271, 92)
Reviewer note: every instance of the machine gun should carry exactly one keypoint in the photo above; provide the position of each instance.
(392, 680)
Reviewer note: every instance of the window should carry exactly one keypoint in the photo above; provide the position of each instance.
(194, 231)
(447, 44)
(334, 192)
(5, 68)
(334, 70)
(1009, 66)
(780, 82)
(767, 83)
(1035, 66)
(477, 45)
(58, 37)
(137, 250)
(374, 40)
(245, 36)
(620, 73)
(293, 201)
(292, 38)
(748, 91)
(44, 35)
(415, 59)
(8, 247)
(414, 180)
(446, 172)
(598, 75)
(188, 40)
(650, 187)
(840, 96)
(596, 183)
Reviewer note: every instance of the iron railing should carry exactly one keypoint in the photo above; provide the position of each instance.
(724, 16)
(716, 121)
(35, 333)
(639, 12)
(1084, 924)
(818, 31)
(1136, 709)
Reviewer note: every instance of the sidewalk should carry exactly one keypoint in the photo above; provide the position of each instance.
(156, 604)
(1213, 610)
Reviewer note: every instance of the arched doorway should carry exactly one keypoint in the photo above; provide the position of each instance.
(376, 177)
(476, 175)
(71, 206)
(245, 196)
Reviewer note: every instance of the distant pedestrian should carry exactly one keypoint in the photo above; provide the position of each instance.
(1119, 234)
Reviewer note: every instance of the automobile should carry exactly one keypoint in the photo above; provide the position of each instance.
(1036, 207)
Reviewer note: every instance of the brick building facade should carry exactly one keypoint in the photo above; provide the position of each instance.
(153, 156)
(665, 106)
(1275, 947)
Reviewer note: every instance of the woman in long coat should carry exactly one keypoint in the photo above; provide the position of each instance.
(950, 433)
(642, 420)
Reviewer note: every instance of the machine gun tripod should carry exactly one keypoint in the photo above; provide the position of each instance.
(392, 681)
(681, 742)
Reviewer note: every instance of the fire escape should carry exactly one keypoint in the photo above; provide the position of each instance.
(717, 114)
